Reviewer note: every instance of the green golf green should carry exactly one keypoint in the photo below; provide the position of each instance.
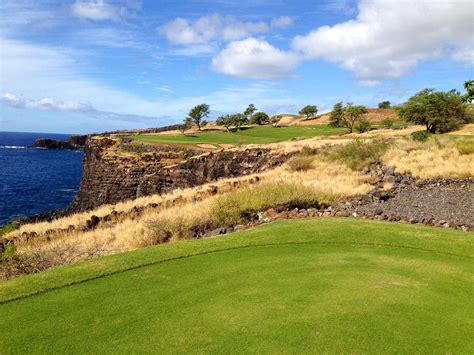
(314, 285)
(254, 135)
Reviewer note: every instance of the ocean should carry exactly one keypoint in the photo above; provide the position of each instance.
(35, 180)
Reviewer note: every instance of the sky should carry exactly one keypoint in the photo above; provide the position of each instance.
(83, 66)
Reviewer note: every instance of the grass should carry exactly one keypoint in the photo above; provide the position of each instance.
(8, 228)
(358, 154)
(439, 157)
(254, 135)
(315, 285)
(241, 206)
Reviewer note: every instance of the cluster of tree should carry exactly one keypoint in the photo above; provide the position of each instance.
(249, 116)
(439, 111)
(350, 116)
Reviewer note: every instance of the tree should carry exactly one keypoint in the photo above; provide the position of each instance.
(249, 111)
(187, 124)
(468, 97)
(337, 115)
(385, 104)
(309, 111)
(238, 120)
(274, 120)
(352, 114)
(438, 111)
(260, 118)
(225, 120)
(199, 112)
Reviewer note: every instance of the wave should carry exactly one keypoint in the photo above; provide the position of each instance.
(13, 147)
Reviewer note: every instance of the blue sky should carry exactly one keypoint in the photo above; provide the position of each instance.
(80, 66)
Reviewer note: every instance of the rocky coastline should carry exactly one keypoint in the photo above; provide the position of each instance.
(77, 142)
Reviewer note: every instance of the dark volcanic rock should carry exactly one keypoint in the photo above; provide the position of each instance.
(72, 143)
(440, 201)
(110, 177)
(451, 201)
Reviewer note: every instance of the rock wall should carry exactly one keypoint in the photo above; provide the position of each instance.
(110, 176)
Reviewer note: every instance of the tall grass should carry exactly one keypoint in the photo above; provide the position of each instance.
(241, 206)
(431, 159)
(358, 154)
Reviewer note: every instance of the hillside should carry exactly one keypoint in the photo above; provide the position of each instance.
(265, 239)
(282, 287)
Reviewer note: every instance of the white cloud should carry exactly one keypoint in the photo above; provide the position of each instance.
(208, 28)
(56, 73)
(254, 59)
(85, 108)
(55, 77)
(100, 10)
(388, 38)
(282, 22)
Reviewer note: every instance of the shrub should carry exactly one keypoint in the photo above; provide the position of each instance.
(242, 206)
(363, 125)
(307, 150)
(420, 136)
(300, 163)
(359, 154)
(387, 123)
(7, 228)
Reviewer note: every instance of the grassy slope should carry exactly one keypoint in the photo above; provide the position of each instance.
(334, 285)
(256, 135)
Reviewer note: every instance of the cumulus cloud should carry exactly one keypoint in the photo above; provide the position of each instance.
(216, 27)
(254, 59)
(282, 22)
(388, 38)
(100, 10)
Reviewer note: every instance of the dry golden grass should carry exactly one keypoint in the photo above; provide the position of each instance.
(429, 160)
(465, 130)
(327, 181)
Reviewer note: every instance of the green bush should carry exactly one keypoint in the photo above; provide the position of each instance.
(7, 228)
(420, 136)
(242, 206)
(358, 154)
(308, 151)
(363, 125)
(387, 123)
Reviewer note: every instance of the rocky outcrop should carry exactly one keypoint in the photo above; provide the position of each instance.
(437, 202)
(111, 176)
(72, 143)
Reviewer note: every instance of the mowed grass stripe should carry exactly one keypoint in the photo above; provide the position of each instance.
(289, 297)
(333, 230)
(254, 135)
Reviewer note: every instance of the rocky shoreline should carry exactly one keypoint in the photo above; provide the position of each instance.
(72, 143)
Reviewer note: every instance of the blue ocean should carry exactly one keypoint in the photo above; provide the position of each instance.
(35, 180)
